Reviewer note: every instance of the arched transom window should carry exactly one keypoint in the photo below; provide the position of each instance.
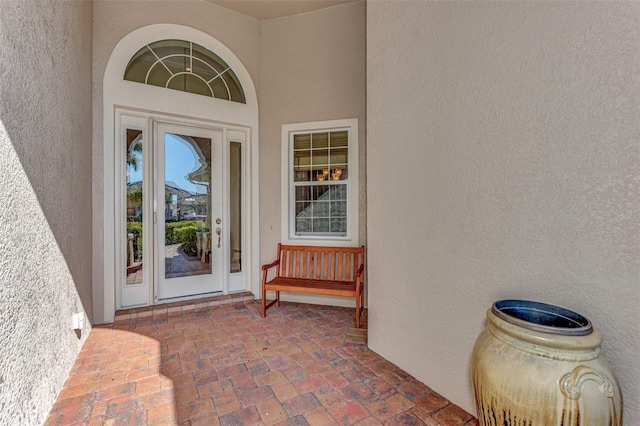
(186, 66)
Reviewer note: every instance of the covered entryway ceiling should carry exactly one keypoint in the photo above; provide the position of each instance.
(271, 9)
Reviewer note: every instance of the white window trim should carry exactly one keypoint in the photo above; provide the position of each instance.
(287, 189)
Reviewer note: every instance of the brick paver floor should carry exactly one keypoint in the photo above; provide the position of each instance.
(217, 362)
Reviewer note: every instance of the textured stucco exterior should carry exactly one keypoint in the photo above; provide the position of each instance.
(512, 130)
(45, 219)
(312, 68)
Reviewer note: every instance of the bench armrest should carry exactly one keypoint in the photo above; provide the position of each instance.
(270, 265)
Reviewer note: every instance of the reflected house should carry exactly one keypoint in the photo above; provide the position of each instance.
(194, 207)
(197, 206)
(178, 202)
(175, 201)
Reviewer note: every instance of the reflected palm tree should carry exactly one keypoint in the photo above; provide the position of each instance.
(133, 154)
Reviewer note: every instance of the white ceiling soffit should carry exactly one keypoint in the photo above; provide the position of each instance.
(271, 9)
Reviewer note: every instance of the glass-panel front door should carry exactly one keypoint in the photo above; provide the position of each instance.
(181, 212)
(189, 211)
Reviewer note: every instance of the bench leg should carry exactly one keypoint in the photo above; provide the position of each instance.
(359, 306)
(264, 303)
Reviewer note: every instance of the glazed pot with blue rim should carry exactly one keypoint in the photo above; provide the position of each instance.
(537, 364)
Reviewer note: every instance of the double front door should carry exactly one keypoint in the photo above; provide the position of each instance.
(177, 197)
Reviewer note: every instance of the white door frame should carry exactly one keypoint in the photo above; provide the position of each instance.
(158, 103)
(197, 284)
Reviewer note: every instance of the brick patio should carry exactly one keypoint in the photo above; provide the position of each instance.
(216, 362)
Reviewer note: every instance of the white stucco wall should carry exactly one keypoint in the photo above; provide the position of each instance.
(112, 20)
(512, 132)
(45, 219)
(312, 68)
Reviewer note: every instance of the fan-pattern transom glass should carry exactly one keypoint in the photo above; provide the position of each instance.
(186, 66)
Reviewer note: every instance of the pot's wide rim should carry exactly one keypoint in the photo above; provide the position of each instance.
(542, 317)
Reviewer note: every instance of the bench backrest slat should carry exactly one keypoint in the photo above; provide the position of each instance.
(325, 265)
(301, 264)
(349, 257)
(320, 263)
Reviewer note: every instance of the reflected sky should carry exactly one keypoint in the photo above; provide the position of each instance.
(179, 156)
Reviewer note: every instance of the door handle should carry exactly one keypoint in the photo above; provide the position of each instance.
(218, 231)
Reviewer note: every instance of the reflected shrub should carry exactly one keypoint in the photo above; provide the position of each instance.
(202, 226)
(187, 237)
(170, 227)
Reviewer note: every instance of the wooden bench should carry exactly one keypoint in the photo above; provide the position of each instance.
(329, 271)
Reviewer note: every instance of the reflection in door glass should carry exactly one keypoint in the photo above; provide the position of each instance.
(187, 206)
(134, 204)
(235, 203)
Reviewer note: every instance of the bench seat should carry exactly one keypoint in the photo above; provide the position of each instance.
(329, 271)
(325, 287)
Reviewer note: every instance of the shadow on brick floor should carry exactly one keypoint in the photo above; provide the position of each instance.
(217, 362)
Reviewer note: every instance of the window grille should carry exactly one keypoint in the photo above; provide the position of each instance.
(185, 66)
